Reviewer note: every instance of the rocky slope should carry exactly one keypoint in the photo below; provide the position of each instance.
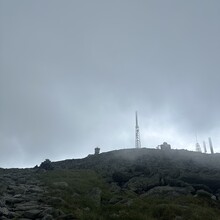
(24, 196)
(143, 169)
(125, 184)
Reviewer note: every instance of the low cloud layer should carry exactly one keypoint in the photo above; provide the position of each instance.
(73, 73)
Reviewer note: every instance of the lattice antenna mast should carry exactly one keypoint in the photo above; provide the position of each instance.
(137, 133)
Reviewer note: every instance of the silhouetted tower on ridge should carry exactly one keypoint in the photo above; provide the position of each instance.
(204, 147)
(137, 134)
(211, 146)
(198, 148)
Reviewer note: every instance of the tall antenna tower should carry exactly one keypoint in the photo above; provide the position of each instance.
(211, 146)
(137, 133)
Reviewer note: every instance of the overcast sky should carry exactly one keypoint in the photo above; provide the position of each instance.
(73, 73)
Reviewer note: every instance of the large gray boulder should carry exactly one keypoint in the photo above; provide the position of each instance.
(141, 184)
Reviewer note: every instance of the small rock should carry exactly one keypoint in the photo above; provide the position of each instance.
(2, 202)
(51, 211)
(75, 195)
(17, 196)
(213, 197)
(48, 217)
(35, 189)
(203, 193)
(115, 188)
(4, 211)
(25, 207)
(115, 200)
(87, 209)
(32, 214)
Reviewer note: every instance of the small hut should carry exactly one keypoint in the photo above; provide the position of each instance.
(165, 146)
(97, 150)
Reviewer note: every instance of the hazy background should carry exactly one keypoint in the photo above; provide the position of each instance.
(72, 74)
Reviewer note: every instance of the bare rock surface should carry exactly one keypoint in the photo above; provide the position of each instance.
(22, 196)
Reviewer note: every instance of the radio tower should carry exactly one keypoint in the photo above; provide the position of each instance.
(137, 134)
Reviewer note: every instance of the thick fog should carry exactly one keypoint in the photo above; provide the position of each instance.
(73, 73)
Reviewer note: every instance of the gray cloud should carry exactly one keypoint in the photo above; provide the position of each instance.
(73, 73)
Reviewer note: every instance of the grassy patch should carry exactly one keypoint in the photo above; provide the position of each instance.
(75, 198)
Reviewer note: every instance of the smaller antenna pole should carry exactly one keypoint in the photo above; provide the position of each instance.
(204, 147)
(211, 146)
